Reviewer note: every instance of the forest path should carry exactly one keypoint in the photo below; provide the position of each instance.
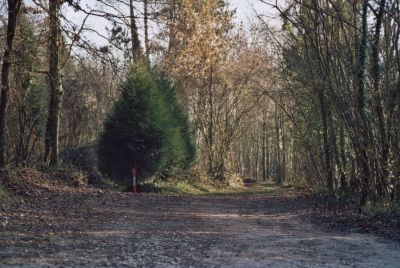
(102, 229)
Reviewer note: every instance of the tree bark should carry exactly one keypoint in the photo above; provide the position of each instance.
(134, 34)
(278, 153)
(210, 130)
(384, 148)
(363, 159)
(256, 160)
(326, 143)
(341, 160)
(264, 144)
(13, 10)
(56, 90)
(283, 140)
(146, 28)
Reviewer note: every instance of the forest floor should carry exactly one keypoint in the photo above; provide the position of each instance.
(85, 227)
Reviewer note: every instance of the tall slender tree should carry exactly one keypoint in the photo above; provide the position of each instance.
(56, 89)
(14, 7)
(136, 51)
(362, 103)
(146, 28)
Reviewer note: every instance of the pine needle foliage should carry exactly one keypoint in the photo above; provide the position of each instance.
(147, 127)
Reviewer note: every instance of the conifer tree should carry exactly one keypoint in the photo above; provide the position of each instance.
(147, 128)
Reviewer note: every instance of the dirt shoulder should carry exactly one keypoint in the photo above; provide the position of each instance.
(93, 228)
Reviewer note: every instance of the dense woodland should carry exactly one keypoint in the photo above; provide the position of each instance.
(310, 97)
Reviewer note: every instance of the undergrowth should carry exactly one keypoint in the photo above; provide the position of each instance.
(383, 207)
(5, 196)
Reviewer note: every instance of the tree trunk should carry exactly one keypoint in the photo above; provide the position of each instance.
(263, 152)
(326, 143)
(13, 10)
(134, 34)
(172, 30)
(278, 153)
(363, 159)
(341, 160)
(283, 140)
(268, 160)
(146, 28)
(256, 160)
(56, 90)
(384, 148)
(210, 130)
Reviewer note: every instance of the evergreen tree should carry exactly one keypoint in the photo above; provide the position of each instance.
(147, 128)
(179, 151)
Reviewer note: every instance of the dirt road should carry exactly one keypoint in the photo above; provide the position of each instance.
(122, 230)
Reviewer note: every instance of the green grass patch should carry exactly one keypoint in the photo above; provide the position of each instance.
(175, 187)
(194, 187)
(257, 188)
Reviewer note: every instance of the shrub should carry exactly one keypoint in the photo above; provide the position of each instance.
(84, 158)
